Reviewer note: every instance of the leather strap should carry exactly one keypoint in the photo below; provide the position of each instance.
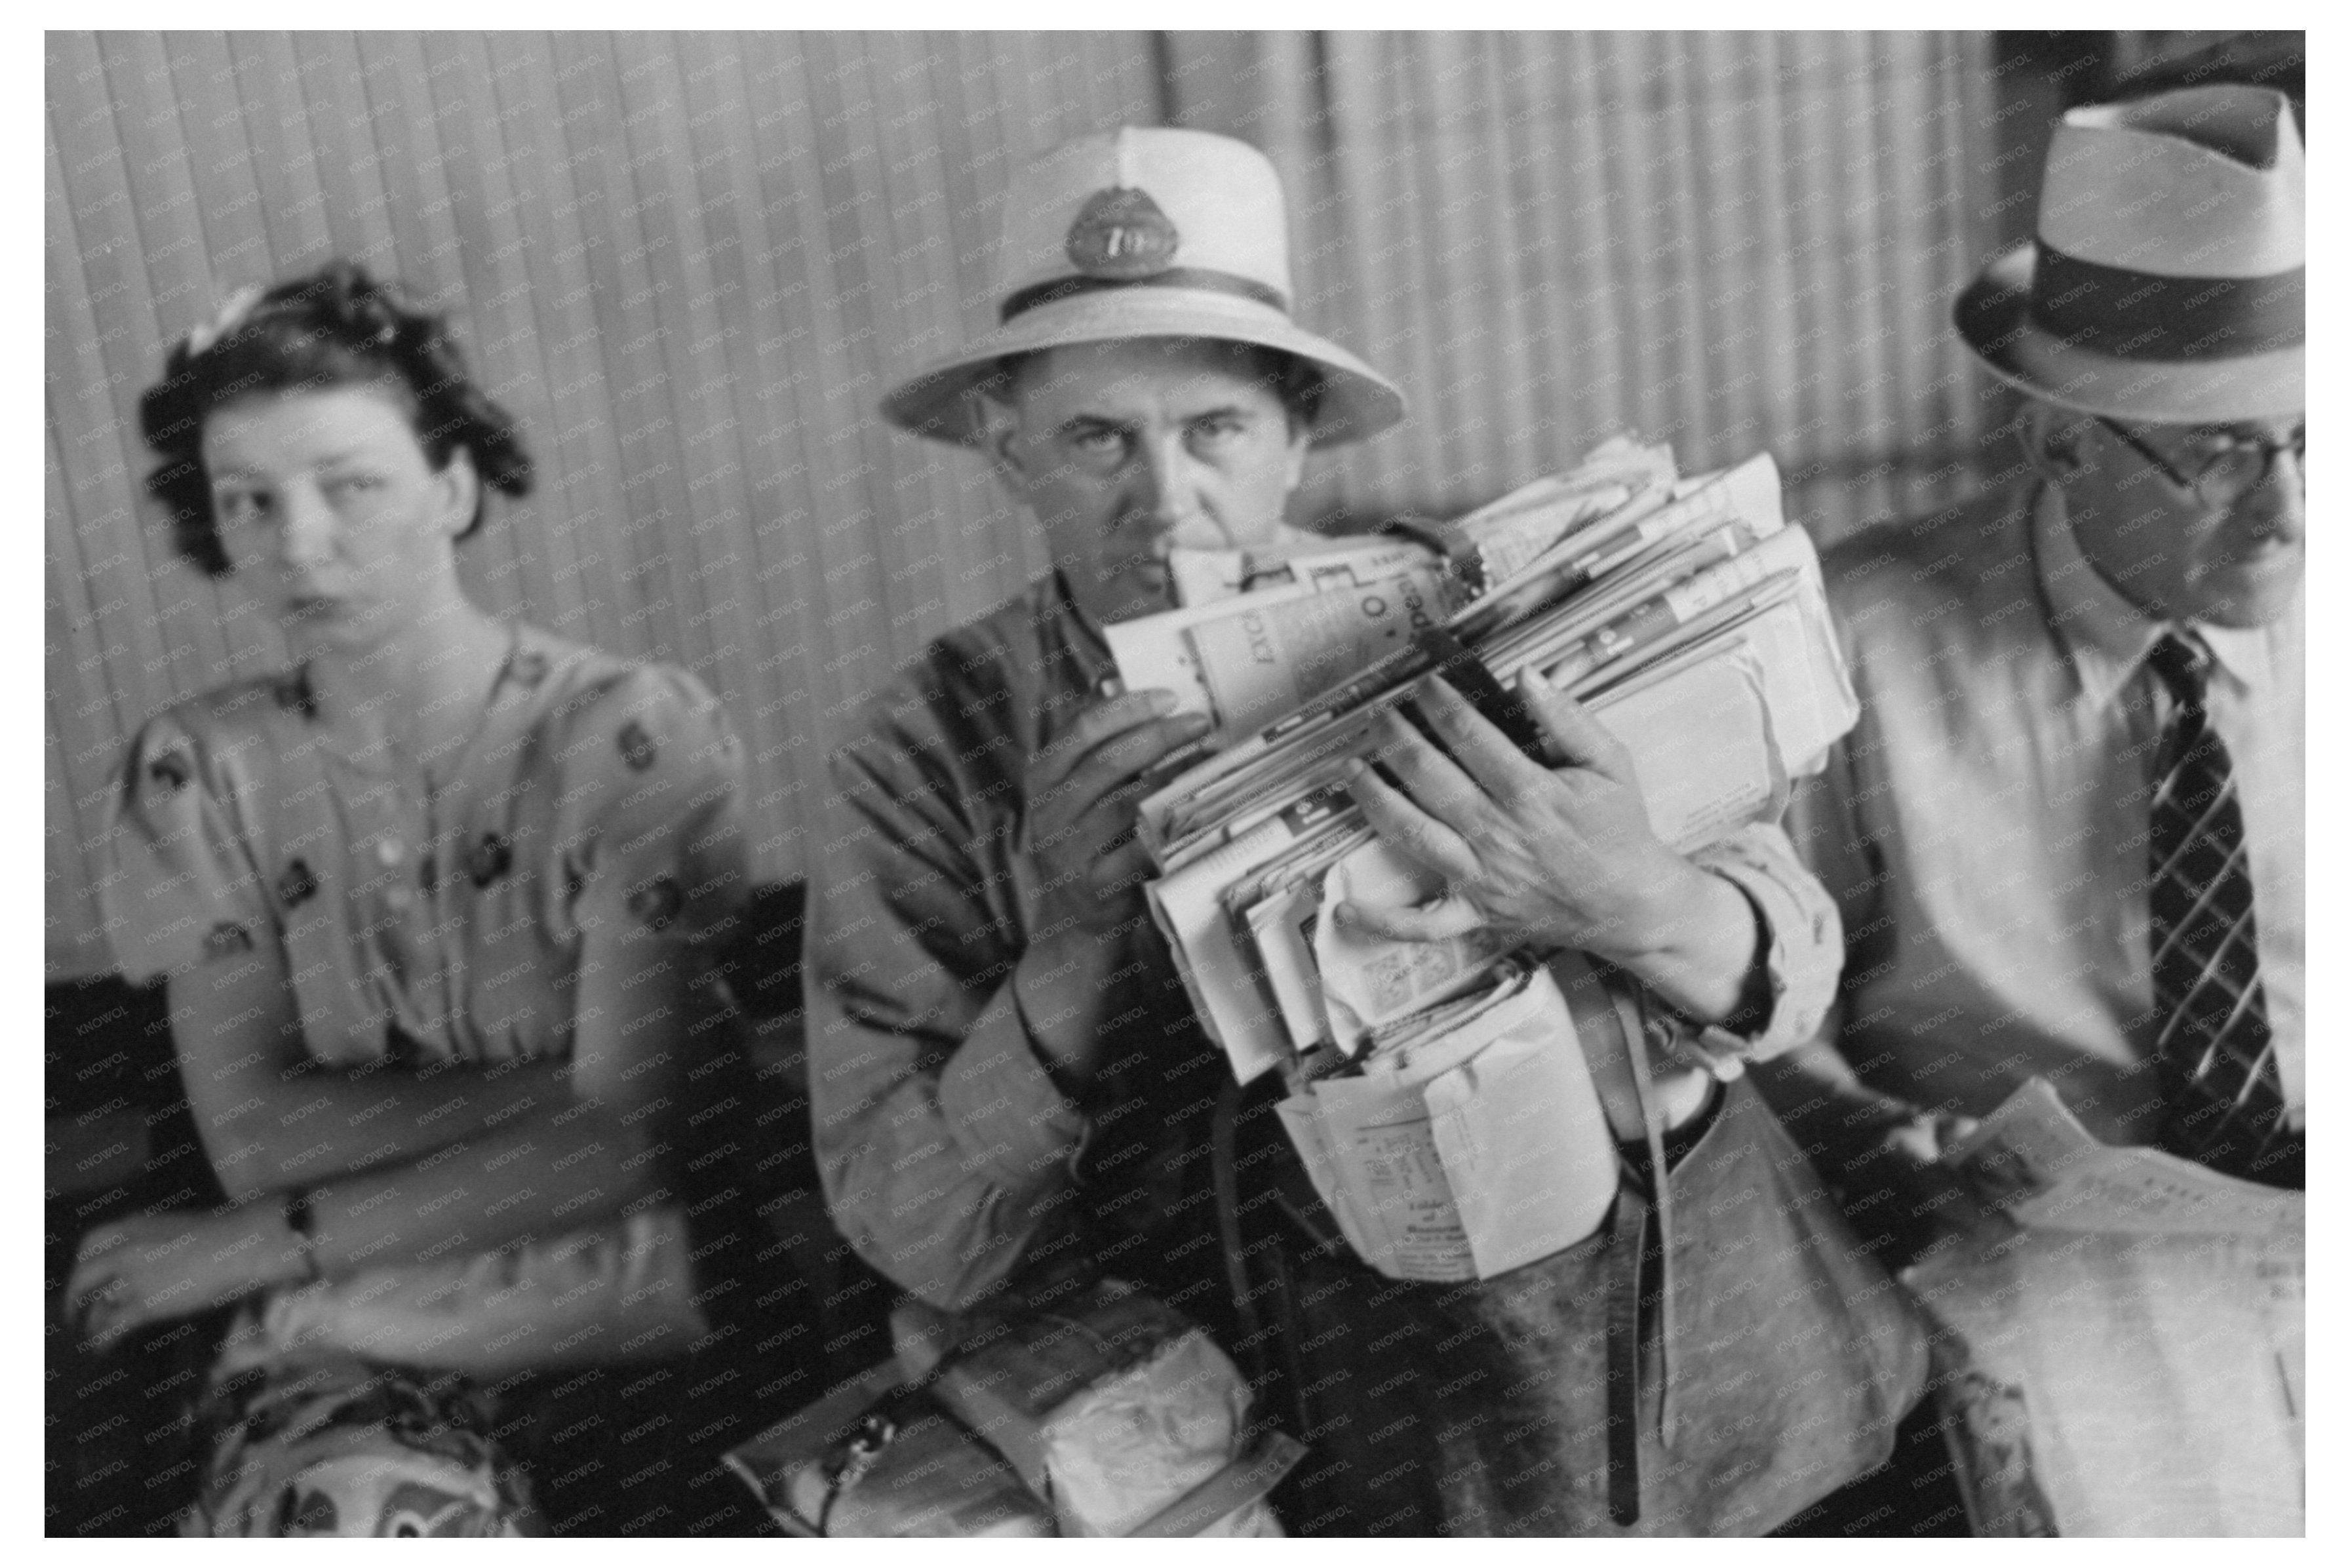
(1626, 1247)
(1644, 1082)
(1223, 1160)
(1629, 1249)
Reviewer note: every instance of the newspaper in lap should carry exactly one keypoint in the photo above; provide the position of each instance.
(2130, 1361)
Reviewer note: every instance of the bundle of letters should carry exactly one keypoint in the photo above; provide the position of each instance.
(1438, 1095)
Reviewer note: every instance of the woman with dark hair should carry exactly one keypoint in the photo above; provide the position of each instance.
(435, 909)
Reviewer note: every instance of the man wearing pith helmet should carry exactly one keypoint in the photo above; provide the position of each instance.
(2066, 835)
(1009, 1089)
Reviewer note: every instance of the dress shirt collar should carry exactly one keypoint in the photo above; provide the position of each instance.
(2108, 637)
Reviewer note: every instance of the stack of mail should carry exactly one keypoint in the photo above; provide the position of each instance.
(1686, 613)
(1262, 631)
(1468, 1144)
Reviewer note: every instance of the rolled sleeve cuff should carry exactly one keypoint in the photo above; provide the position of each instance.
(1801, 973)
(1003, 1108)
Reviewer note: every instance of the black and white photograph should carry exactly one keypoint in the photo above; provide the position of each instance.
(1066, 782)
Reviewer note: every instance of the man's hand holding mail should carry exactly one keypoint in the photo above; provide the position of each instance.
(1561, 856)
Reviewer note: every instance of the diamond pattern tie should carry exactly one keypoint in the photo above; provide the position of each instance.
(2225, 1099)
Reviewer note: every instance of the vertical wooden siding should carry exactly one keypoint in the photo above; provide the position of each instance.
(1735, 240)
(691, 263)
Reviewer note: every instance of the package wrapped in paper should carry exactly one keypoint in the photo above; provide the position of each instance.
(1139, 1439)
(1124, 1414)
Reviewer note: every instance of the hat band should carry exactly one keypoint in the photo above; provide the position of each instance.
(2146, 315)
(1198, 278)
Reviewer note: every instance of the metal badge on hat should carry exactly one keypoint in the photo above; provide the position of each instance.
(1107, 198)
(1120, 234)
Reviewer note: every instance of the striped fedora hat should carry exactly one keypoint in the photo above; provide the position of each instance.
(1143, 233)
(2166, 284)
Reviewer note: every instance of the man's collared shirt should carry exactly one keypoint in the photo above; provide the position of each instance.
(949, 1156)
(1984, 828)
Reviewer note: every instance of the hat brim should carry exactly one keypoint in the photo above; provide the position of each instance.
(943, 401)
(1993, 320)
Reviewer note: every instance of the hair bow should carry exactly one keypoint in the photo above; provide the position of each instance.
(232, 312)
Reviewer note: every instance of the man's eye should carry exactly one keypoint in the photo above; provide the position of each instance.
(1217, 428)
(2214, 444)
(353, 484)
(239, 506)
(1099, 442)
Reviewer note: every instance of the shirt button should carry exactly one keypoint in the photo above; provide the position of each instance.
(399, 897)
(390, 850)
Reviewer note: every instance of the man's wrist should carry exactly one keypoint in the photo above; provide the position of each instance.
(1704, 947)
(1053, 986)
(1757, 994)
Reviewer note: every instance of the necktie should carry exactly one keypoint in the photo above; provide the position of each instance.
(2225, 1101)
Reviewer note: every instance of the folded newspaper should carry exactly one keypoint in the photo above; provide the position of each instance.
(1686, 613)
(2131, 1361)
(2050, 1173)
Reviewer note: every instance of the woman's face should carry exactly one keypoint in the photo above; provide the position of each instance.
(328, 505)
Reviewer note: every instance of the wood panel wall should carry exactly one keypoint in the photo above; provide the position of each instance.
(691, 263)
(1734, 241)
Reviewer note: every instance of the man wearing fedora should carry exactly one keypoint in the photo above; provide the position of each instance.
(1009, 1086)
(2065, 837)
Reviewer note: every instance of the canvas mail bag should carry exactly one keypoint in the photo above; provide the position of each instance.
(1716, 1358)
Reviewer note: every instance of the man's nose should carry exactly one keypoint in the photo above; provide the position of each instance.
(2278, 507)
(1167, 483)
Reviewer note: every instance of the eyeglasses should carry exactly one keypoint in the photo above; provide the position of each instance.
(2232, 467)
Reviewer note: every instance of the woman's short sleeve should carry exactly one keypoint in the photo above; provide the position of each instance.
(179, 889)
(651, 796)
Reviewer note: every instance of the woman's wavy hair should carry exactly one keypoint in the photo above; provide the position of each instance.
(335, 327)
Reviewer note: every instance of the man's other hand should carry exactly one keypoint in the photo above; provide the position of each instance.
(1905, 1198)
(1087, 868)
